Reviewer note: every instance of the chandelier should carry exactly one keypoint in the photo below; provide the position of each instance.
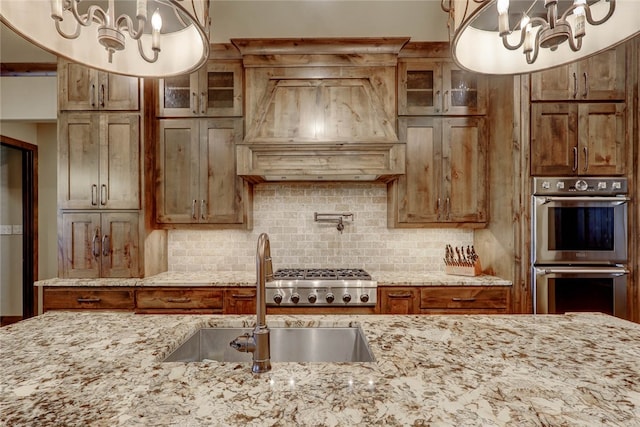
(522, 36)
(145, 38)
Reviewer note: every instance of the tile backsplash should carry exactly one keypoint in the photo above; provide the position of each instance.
(286, 213)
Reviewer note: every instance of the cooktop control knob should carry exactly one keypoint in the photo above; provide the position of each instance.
(346, 297)
(277, 298)
(364, 297)
(295, 298)
(312, 298)
(329, 297)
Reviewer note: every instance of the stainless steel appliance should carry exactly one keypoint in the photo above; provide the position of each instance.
(561, 289)
(321, 287)
(579, 245)
(579, 221)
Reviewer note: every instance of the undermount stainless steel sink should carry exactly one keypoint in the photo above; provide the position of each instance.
(321, 344)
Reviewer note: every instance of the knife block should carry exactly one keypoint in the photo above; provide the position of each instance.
(459, 270)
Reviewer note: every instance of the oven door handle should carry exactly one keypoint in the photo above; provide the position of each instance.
(612, 200)
(615, 271)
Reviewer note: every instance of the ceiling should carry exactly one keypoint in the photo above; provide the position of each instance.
(421, 20)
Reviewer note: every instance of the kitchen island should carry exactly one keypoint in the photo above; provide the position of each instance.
(106, 369)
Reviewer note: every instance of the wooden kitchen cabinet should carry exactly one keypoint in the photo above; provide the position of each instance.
(99, 161)
(179, 300)
(446, 173)
(439, 87)
(87, 298)
(240, 301)
(214, 90)
(197, 181)
(600, 77)
(399, 300)
(465, 299)
(94, 244)
(85, 88)
(578, 139)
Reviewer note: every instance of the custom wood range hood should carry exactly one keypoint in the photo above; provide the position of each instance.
(320, 110)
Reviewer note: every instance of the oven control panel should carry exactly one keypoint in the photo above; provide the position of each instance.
(592, 186)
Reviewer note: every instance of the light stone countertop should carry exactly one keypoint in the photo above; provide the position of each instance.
(105, 369)
(235, 278)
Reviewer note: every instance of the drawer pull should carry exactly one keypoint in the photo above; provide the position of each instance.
(463, 299)
(243, 296)
(88, 300)
(402, 295)
(179, 300)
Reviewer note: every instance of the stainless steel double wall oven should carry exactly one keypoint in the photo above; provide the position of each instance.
(579, 245)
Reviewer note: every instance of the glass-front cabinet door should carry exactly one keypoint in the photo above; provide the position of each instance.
(214, 90)
(437, 87)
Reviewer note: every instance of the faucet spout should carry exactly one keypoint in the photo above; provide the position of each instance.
(258, 342)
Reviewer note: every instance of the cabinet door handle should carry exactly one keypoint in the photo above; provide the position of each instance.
(243, 296)
(400, 295)
(94, 249)
(446, 101)
(438, 205)
(182, 300)
(102, 101)
(438, 101)
(455, 299)
(585, 150)
(193, 209)
(448, 206)
(194, 109)
(575, 86)
(203, 209)
(94, 195)
(575, 159)
(586, 87)
(93, 300)
(92, 95)
(203, 103)
(103, 194)
(106, 243)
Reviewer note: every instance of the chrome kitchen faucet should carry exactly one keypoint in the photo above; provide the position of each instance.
(258, 342)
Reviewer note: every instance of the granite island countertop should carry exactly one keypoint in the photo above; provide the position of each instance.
(105, 369)
(235, 278)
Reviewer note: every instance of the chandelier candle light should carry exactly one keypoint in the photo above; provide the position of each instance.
(174, 41)
(522, 36)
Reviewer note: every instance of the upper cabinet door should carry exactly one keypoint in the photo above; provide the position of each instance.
(215, 90)
(420, 87)
(223, 193)
(178, 157)
(465, 93)
(437, 87)
(99, 161)
(600, 77)
(578, 139)
(85, 89)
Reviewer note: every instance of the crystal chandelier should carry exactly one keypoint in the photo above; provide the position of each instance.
(521, 36)
(147, 38)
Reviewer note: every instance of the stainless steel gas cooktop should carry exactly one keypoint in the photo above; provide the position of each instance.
(321, 287)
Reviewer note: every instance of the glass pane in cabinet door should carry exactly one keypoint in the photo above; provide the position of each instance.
(220, 89)
(464, 89)
(176, 92)
(420, 88)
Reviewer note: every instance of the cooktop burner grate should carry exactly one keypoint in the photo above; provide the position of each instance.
(321, 274)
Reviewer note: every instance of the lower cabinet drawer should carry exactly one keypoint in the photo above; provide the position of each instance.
(468, 299)
(76, 298)
(179, 299)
